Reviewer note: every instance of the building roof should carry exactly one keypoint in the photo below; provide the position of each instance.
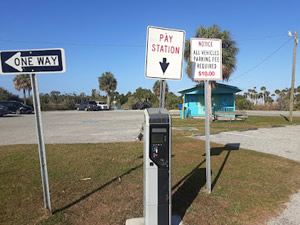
(220, 89)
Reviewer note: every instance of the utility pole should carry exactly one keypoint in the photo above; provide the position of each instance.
(293, 76)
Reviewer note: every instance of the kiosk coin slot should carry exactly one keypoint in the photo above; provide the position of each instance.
(157, 167)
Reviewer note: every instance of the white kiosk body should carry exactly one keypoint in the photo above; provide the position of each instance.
(157, 167)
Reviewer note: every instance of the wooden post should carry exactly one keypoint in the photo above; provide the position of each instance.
(293, 78)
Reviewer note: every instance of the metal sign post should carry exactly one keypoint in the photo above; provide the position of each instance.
(162, 95)
(41, 144)
(207, 140)
(31, 62)
(206, 61)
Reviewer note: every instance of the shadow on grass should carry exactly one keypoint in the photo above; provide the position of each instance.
(287, 119)
(101, 187)
(97, 189)
(192, 183)
(188, 191)
(217, 151)
(228, 147)
(187, 176)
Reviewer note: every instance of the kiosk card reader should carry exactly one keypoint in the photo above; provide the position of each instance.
(157, 167)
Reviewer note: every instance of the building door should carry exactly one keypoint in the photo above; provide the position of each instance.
(193, 105)
(226, 102)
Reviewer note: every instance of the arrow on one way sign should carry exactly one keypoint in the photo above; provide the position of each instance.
(18, 62)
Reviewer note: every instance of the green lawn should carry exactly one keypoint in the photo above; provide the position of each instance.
(251, 122)
(248, 187)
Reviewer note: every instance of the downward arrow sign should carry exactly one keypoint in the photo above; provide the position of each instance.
(164, 65)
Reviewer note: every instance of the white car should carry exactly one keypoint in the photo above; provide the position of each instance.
(102, 105)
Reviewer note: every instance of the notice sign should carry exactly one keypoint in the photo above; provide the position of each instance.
(164, 53)
(206, 59)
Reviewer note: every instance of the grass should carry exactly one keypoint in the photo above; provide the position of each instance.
(248, 187)
(250, 123)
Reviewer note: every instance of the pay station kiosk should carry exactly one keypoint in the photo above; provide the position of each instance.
(157, 167)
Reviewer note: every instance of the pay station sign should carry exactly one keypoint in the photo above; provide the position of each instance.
(164, 53)
(32, 61)
(206, 59)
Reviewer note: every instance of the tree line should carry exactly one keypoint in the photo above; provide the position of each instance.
(264, 100)
(251, 99)
(55, 100)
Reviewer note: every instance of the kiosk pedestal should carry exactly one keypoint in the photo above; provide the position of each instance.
(157, 167)
(157, 170)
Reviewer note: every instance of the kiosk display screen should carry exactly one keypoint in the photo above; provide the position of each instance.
(157, 138)
(159, 147)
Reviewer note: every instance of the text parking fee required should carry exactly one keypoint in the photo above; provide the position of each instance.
(206, 59)
(164, 53)
(32, 61)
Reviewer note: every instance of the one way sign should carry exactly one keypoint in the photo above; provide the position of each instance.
(32, 61)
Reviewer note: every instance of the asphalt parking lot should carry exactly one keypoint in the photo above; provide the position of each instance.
(73, 127)
(98, 127)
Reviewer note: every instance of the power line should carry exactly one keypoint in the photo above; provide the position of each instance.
(264, 60)
(75, 44)
(143, 46)
(113, 45)
(262, 38)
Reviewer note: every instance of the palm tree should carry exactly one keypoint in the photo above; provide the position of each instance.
(263, 89)
(260, 95)
(28, 85)
(267, 97)
(277, 91)
(107, 83)
(255, 94)
(22, 82)
(156, 88)
(229, 51)
(250, 95)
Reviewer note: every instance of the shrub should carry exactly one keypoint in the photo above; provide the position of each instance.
(242, 104)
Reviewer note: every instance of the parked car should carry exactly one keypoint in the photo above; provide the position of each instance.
(88, 106)
(3, 110)
(17, 107)
(141, 105)
(102, 105)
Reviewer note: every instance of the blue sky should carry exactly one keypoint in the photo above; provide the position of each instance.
(100, 36)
